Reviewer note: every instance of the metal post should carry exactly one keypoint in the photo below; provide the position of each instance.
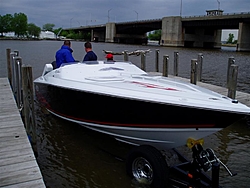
(143, 61)
(215, 174)
(231, 61)
(165, 65)
(14, 82)
(232, 82)
(193, 78)
(18, 75)
(199, 70)
(17, 52)
(125, 55)
(157, 60)
(176, 63)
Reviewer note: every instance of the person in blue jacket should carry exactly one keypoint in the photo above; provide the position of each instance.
(90, 56)
(64, 55)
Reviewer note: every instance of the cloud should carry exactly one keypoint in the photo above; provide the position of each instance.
(66, 13)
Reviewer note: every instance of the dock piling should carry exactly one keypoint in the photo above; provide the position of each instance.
(193, 78)
(125, 55)
(232, 81)
(157, 52)
(28, 105)
(165, 65)
(12, 66)
(8, 51)
(176, 63)
(199, 66)
(231, 61)
(18, 77)
(143, 61)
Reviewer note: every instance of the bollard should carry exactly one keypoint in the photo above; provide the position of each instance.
(157, 60)
(28, 105)
(199, 68)
(193, 78)
(232, 81)
(8, 51)
(18, 76)
(125, 55)
(176, 63)
(165, 65)
(143, 61)
(231, 61)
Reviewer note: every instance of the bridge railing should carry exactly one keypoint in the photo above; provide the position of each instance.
(224, 14)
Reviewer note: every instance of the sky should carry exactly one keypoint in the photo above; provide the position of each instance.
(75, 13)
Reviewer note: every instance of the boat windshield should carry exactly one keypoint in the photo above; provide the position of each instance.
(91, 62)
(66, 64)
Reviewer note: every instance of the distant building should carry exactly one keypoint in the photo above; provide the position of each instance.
(47, 35)
(9, 34)
(214, 12)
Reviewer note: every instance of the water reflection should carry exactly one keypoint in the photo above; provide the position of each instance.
(72, 156)
(232, 147)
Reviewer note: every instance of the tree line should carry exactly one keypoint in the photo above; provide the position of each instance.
(18, 23)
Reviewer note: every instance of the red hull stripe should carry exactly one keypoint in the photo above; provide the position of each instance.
(154, 86)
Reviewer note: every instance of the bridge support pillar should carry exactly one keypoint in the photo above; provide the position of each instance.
(243, 37)
(172, 33)
(110, 32)
(217, 39)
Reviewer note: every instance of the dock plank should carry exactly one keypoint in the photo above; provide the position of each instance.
(31, 184)
(18, 159)
(18, 165)
(20, 176)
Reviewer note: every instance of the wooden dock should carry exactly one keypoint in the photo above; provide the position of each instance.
(18, 165)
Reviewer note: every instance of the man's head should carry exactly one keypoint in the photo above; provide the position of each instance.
(67, 43)
(87, 46)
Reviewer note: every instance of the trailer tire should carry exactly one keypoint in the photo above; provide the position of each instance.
(147, 165)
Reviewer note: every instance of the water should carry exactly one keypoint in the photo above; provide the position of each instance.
(72, 156)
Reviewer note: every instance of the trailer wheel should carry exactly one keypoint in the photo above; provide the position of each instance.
(147, 165)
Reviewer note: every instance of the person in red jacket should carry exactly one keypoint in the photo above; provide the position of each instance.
(64, 55)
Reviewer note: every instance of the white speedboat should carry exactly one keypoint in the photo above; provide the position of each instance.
(121, 100)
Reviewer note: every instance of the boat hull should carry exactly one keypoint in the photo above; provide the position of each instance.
(134, 121)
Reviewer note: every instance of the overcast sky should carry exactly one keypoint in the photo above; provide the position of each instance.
(75, 13)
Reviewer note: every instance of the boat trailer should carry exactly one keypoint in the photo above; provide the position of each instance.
(191, 173)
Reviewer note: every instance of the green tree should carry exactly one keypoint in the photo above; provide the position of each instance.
(230, 38)
(19, 24)
(5, 23)
(156, 35)
(64, 33)
(33, 30)
(48, 27)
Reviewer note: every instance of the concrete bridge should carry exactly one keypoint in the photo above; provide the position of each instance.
(194, 31)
